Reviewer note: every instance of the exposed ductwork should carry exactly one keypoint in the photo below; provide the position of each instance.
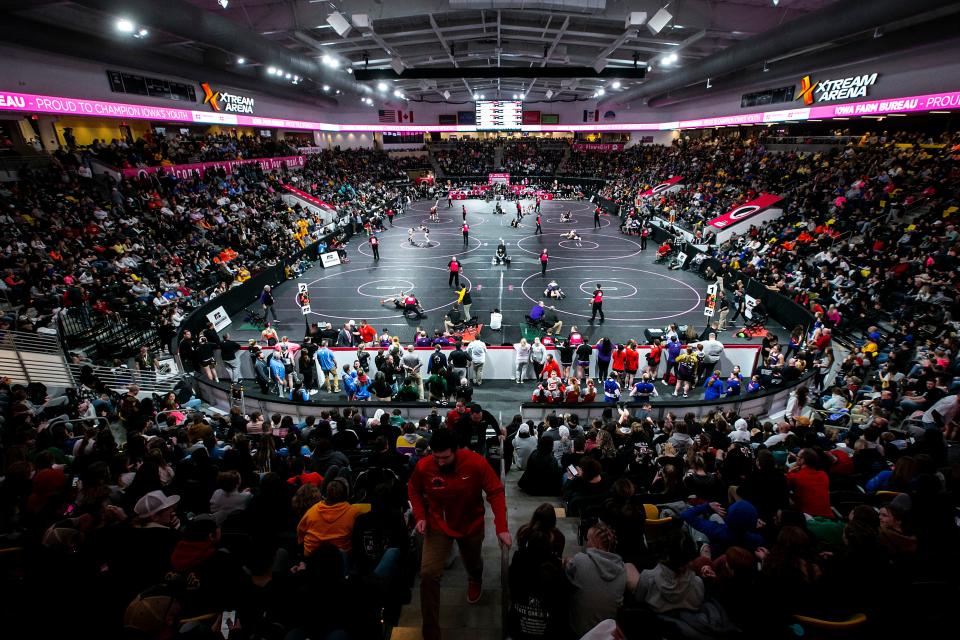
(913, 38)
(188, 21)
(59, 40)
(563, 6)
(838, 20)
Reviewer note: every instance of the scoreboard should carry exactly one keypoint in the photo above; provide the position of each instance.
(499, 114)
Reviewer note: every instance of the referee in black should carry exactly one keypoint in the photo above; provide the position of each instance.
(539, 229)
(597, 303)
(596, 218)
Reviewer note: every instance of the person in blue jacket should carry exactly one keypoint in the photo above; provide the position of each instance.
(734, 382)
(737, 526)
(611, 389)
(714, 387)
(278, 373)
(350, 382)
(328, 365)
(643, 389)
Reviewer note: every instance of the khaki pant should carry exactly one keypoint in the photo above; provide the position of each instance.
(723, 317)
(478, 372)
(330, 381)
(436, 549)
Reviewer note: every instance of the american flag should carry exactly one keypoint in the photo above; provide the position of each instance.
(386, 115)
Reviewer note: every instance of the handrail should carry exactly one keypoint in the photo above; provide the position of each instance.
(65, 419)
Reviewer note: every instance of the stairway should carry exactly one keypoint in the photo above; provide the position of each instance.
(563, 161)
(498, 157)
(106, 338)
(484, 620)
(437, 171)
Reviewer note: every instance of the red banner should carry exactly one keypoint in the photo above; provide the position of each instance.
(303, 195)
(531, 117)
(662, 187)
(597, 146)
(189, 170)
(745, 211)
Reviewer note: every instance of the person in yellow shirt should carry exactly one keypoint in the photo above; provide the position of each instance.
(686, 371)
(330, 520)
(243, 274)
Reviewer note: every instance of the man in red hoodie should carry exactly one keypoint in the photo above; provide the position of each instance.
(446, 491)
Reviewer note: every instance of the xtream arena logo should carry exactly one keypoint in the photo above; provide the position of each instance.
(226, 101)
(828, 90)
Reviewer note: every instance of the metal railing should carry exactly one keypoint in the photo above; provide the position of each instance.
(119, 378)
(34, 357)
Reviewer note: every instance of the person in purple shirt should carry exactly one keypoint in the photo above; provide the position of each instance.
(714, 387)
(674, 348)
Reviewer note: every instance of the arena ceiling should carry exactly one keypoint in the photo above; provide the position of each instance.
(446, 50)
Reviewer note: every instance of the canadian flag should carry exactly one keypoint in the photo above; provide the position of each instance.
(404, 115)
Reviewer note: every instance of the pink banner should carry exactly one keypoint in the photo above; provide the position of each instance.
(31, 103)
(189, 170)
(745, 211)
(597, 146)
(480, 190)
(303, 195)
(662, 187)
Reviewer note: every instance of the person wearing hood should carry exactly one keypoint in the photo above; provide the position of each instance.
(330, 520)
(524, 444)
(598, 580)
(740, 433)
(407, 441)
(737, 525)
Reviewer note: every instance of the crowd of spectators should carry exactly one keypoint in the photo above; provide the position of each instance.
(533, 156)
(689, 523)
(295, 525)
(149, 249)
(466, 157)
(164, 151)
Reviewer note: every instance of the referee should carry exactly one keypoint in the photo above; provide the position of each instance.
(375, 246)
(596, 217)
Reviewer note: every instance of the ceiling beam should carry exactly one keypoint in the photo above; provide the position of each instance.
(556, 41)
(366, 75)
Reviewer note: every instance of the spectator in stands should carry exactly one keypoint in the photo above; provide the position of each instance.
(331, 520)
(810, 485)
(598, 580)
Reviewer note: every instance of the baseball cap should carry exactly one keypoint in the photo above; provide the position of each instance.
(153, 503)
(524, 429)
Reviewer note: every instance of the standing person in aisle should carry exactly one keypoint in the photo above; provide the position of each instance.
(544, 259)
(538, 229)
(454, 266)
(375, 247)
(390, 214)
(466, 234)
(644, 234)
(596, 302)
(466, 300)
(446, 493)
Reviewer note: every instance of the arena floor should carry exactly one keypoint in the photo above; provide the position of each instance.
(639, 293)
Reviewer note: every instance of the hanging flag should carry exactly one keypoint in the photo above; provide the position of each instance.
(388, 115)
(404, 115)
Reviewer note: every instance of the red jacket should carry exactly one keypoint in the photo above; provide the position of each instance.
(811, 491)
(452, 503)
(618, 357)
(548, 367)
(631, 360)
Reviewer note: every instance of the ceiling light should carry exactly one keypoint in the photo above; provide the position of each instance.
(446, 95)
(396, 93)
(382, 86)
(482, 96)
(241, 60)
(939, 112)
(142, 33)
(271, 70)
(348, 70)
(326, 87)
(338, 91)
(616, 84)
(223, 3)
(476, 96)
(776, 2)
(523, 96)
(288, 75)
(125, 26)
(600, 91)
(549, 93)
(514, 96)
(279, 72)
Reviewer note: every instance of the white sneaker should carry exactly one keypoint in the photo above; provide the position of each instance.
(674, 394)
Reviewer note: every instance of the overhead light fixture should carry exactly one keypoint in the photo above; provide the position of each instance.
(382, 86)
(287, 75)
(296, 78)
(482, 97)
(776, 2)
(523, 96)
(616, 84)
(476, 96)
(939, 112)
(766, 67)
(279, 72)
(659, 20)
(397, 65)
(600, 91)
(142, 33)
(514, 96)
(397, 93)
(599, 65)
(223, 3)
(326, 87)
(241, 60)
(709, 84)
(549, 93)
(446, 95)
(350, 70)
(635, 19)
(339, 24)
(360, 20)
(125, 26)
(338, 91)
(271, 70)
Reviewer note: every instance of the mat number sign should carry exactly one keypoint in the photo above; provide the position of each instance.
(330, 259)
(303, 298)
(711, 303)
